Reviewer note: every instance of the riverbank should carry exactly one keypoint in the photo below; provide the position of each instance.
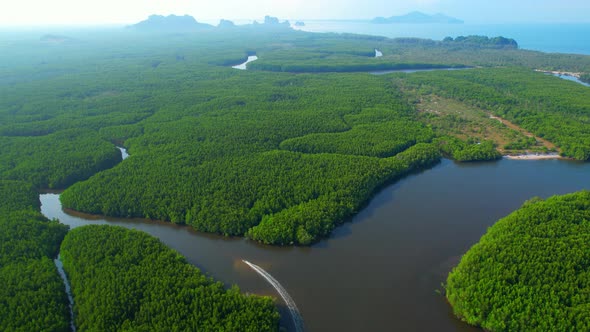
(560, 73)
(534, 156)
(393, 221)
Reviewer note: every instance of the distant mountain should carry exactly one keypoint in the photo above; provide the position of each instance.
(272, 22)
(226, 24)
(417, 18)
(171, 23)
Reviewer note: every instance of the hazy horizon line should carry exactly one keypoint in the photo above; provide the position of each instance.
(245, 21)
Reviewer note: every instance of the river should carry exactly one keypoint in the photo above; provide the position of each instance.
(572, 78)
(243, 66)
(409, 71)
(380, 272)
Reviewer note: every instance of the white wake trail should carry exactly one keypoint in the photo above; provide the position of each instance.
(297, 320)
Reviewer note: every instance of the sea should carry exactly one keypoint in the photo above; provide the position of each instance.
(571, 38)
(551, 38)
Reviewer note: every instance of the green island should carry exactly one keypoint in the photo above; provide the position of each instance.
(529, 272)
(281, 153)
(135, 283)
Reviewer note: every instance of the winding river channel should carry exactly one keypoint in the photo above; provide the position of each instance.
(383, 270)
(244, 65)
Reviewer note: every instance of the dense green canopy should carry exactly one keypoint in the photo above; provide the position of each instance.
(241, 152)
(531, 271)
(279, 153)
(32, 296)
(127, 280)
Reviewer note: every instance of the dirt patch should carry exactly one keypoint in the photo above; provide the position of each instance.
(455, 118)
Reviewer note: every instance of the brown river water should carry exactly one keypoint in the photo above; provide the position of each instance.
(383, 270)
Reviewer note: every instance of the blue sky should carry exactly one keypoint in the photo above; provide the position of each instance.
(42, 12)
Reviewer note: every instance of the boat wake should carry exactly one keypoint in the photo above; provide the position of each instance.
(295, 315)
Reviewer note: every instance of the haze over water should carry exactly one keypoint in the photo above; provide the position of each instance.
(561, 38)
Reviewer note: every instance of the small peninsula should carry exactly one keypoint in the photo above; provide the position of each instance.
(417, 18)
(529, 272)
